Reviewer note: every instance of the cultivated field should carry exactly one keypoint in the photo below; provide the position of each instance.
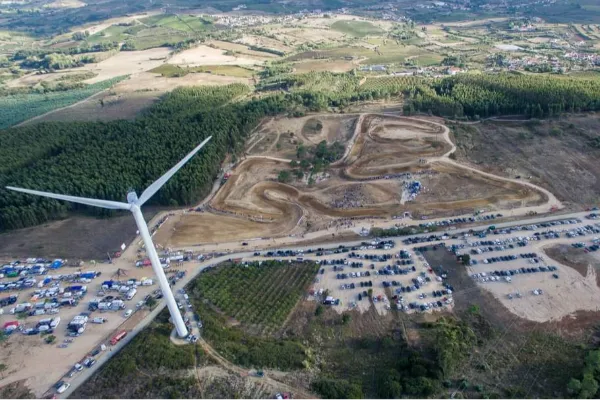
(260, 295)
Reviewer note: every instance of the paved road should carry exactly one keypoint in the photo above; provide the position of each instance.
(106, 355)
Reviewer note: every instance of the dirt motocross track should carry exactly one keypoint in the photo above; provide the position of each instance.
(383, 154)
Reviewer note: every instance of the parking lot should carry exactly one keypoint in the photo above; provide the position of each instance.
(388, 274)
(88, 311)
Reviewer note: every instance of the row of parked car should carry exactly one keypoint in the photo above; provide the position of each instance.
(353, 275)
(511, 272)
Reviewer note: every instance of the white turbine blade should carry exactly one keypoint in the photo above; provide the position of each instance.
(113, 205)
(150, 190)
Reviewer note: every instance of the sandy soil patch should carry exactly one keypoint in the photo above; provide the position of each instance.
(152, 81)
(201, 228)
(305, 35)
(323, 65)
(253, 40)
(204, 55)
(327, 22)
(125, 63)
(240, 48)
(561, 297)
(66, 4)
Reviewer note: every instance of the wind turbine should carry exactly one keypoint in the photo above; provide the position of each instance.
(133, 204)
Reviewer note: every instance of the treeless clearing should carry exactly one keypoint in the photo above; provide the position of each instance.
(260, 41)
(383, 154)
(523, 148)
(66, 4)
(204, 55)
(561, 297)
(323, 65)
(126, 62)
(240, 48)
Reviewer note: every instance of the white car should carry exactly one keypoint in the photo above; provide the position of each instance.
(63, 388)
(128, 313)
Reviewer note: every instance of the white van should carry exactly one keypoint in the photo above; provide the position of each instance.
(131, 294)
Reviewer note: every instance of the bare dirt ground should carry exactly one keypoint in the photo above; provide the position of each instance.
(239, 48)
(260, 41)
(387, 152)
(76, 237)
(204, 55)
(126, 62)
(524, 149)
(325, 65)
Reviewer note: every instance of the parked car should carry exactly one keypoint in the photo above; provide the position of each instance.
(63, 387)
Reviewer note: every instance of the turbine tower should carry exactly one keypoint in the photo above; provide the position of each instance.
(133, 204)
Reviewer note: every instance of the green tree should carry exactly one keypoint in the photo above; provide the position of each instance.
(151, 302)
(284, 176)
(574, 386)
(589, 386)
(300, 151)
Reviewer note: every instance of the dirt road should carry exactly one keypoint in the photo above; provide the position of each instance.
(298, 393)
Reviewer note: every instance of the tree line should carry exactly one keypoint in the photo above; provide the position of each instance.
(104, 160)
(463, 95)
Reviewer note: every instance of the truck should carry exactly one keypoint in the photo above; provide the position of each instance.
(117, 338)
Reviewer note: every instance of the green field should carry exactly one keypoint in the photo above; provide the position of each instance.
(258, 295)
(140, 37)
(184, 23)
(390, 53)
(170, 71)
(19, 108)
(357, 28)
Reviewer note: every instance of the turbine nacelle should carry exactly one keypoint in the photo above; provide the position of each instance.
(132, 197)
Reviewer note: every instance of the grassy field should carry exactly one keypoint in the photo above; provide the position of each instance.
(357, 28)
(142, 37)
(18, 108)
(388, 53)
(259, 295)
(184, 23)
(170, 71)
